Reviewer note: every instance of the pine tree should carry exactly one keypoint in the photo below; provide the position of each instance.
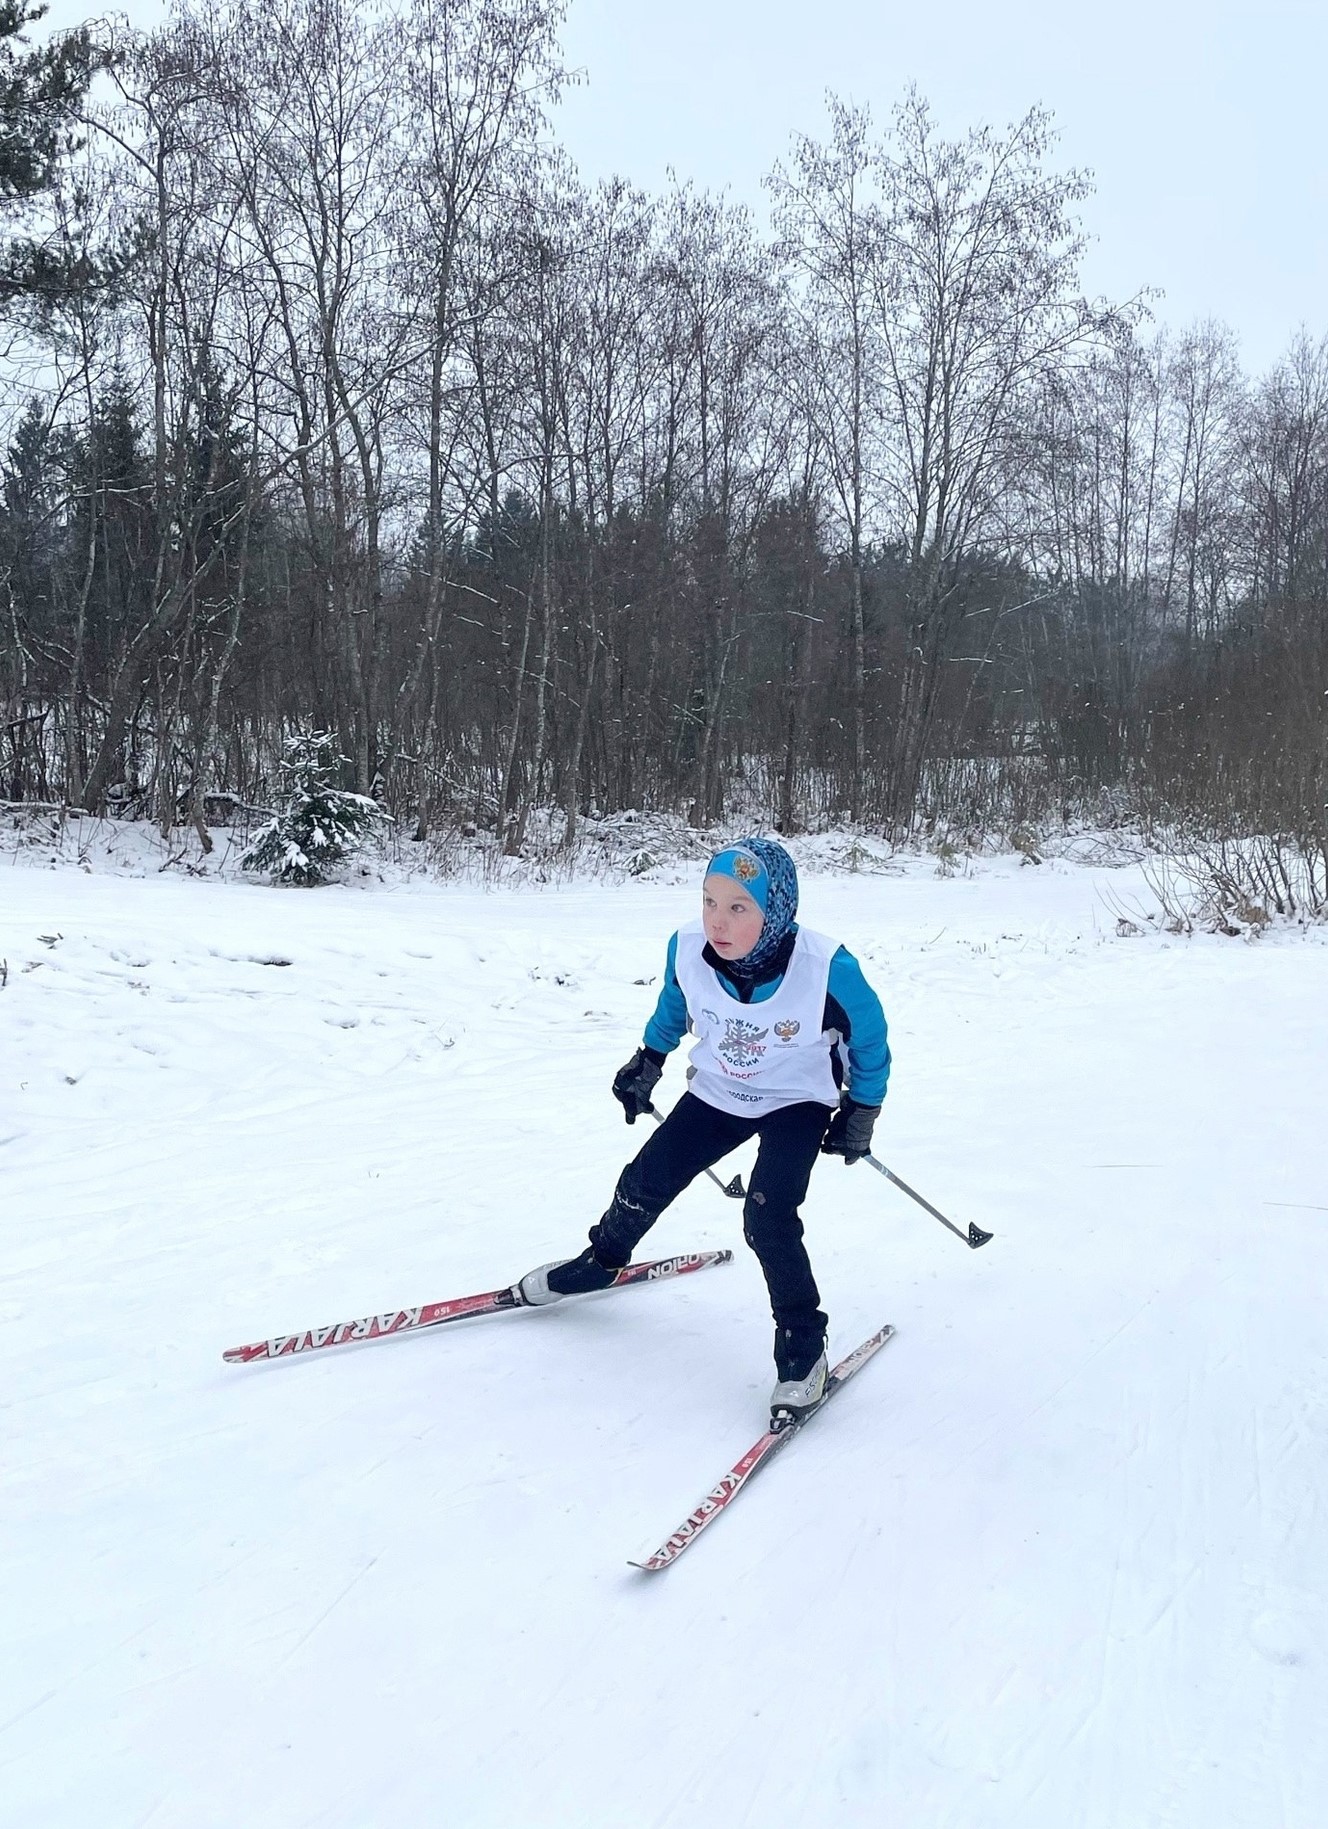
(317, 823)
(39, 95)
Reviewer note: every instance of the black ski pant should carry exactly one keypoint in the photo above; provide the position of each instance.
(692, 1139)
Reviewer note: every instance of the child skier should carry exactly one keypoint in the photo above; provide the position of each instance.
(779, 1013)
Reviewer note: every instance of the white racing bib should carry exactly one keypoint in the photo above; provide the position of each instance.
(753, 1058)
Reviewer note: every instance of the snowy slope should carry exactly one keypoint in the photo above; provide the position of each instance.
(1054, 1561)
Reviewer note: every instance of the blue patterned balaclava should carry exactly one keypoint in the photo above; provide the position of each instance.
(767, 872)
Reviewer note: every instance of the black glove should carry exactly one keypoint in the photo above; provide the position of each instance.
(634, 1084)
(850, 1131)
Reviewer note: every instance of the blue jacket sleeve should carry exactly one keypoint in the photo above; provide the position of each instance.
(863, 1026)
(668, 1025)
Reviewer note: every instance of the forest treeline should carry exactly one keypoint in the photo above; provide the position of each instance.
(334, 399)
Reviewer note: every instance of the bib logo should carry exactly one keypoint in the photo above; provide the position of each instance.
(743, 1043)
(787, 1030)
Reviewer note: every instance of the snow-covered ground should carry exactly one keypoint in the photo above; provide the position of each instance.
(1055, 1561)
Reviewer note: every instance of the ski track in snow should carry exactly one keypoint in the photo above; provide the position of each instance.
(1053, 1562)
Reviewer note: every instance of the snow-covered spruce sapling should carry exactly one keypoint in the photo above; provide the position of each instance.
(317, 823)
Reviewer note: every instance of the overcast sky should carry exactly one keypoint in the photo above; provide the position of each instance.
(1203, 121)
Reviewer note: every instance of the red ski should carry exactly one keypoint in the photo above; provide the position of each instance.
(435, 1314)
(756, 1456)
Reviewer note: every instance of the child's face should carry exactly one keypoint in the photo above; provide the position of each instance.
(732, 920)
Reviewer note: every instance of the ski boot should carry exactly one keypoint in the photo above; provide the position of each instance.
(569, 1276)
(794, 1398)
(802, 1369)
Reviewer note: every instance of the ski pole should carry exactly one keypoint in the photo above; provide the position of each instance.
(734, 1189)
(975, 1235)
